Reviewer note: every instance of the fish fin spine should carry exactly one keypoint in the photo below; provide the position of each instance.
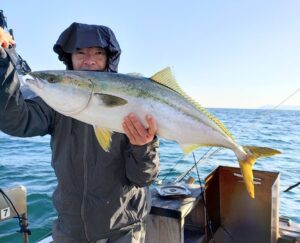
(166, 78)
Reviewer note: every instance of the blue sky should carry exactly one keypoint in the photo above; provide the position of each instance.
(241, 54)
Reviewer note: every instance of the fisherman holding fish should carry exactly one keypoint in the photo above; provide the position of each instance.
(101, 196)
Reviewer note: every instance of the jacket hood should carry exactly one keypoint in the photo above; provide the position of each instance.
(79, 35)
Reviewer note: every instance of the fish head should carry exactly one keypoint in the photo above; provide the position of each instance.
(65, 91)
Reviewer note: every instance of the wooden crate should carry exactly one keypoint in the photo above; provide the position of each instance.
(233, 215)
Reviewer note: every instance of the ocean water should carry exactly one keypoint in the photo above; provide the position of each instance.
(26, 161)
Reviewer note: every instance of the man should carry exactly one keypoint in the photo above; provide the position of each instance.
(100, 196)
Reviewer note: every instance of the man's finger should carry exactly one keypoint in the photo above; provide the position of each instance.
(152, 125)
(128, 133)
(137, 125)
(5, 44)
(6, 39)
(131, 127)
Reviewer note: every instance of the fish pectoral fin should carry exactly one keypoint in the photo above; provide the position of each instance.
(103, 136)
(109, 100)
(188, 148)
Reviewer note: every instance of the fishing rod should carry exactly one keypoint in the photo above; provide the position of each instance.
(291, 187)
(22, 68)
(20, 65)
(204, 157)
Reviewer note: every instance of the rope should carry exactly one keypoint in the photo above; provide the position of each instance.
(23, 227)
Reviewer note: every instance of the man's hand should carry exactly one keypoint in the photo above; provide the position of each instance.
(8, 77)
(136, 132)
(5, 39)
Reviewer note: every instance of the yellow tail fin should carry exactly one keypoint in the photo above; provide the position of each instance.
(246, 164)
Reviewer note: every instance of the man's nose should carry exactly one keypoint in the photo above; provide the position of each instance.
(89, 60)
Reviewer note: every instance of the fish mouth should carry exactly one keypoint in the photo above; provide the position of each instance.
(45, 75)
(47, 84)
(40, 79)
(36, 82)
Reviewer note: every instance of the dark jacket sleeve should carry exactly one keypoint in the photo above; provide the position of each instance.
(142, 165)
(19, 117)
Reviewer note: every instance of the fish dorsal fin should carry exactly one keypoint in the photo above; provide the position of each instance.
(166, 78)
(104, 137)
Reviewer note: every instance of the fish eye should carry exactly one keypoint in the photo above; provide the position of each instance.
(52, 79)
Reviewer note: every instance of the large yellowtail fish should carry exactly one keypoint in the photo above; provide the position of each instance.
(103, 99)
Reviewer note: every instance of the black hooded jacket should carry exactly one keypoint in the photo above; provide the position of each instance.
(83, 36)
(98, 193)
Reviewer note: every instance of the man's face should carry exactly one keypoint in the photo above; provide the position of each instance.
(92, 58)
